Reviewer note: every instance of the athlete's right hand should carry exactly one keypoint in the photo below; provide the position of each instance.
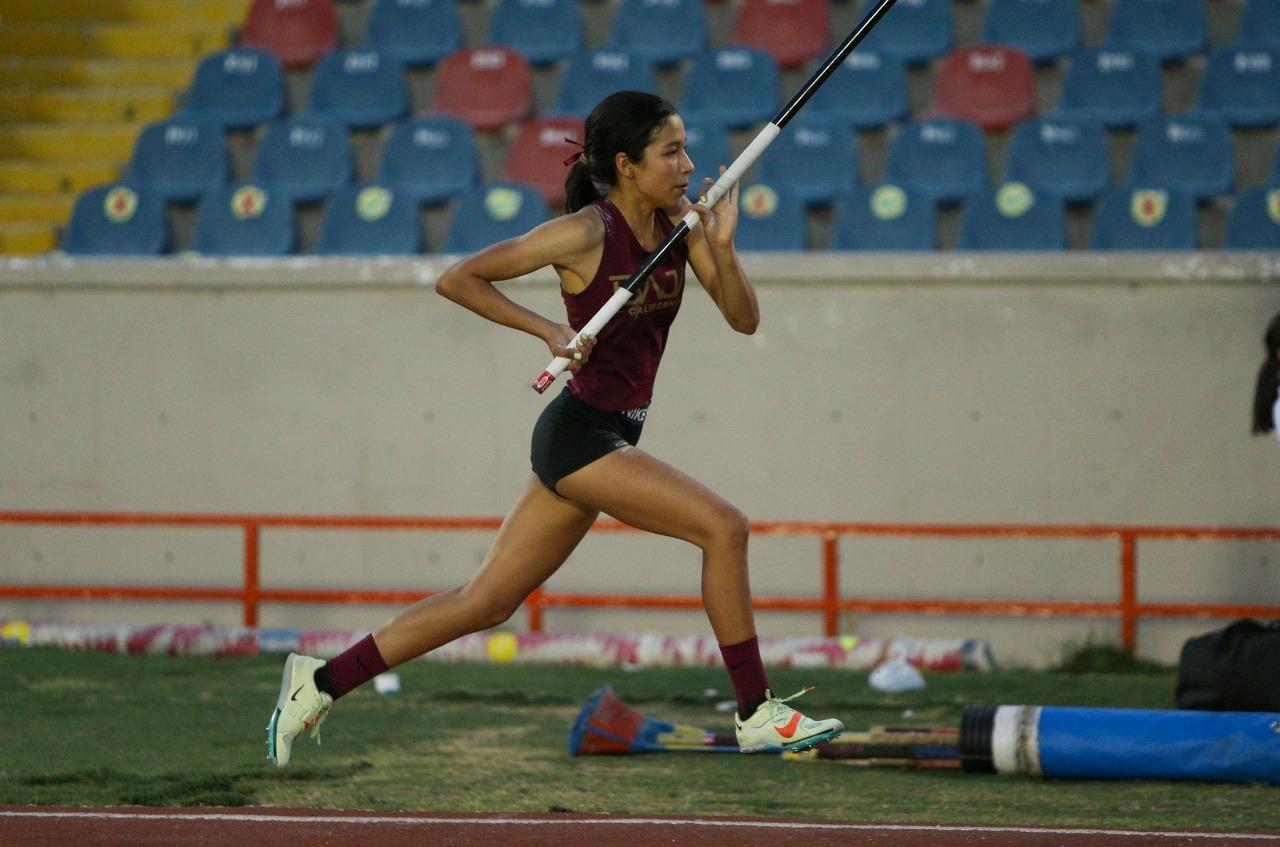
(577, 355)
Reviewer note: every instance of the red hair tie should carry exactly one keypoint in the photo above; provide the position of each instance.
(580, 156)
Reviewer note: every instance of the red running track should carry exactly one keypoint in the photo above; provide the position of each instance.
(31, 826)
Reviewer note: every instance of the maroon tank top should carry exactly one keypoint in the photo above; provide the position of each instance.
(624, 363)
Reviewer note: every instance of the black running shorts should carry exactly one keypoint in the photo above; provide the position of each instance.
(570, 435)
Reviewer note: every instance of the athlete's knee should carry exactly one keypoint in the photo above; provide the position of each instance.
(729, 527)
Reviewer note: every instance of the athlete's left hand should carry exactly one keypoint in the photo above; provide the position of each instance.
(721, 220)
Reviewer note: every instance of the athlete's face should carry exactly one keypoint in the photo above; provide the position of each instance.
(663, 174)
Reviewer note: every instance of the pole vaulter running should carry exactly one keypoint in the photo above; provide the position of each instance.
(722, 185)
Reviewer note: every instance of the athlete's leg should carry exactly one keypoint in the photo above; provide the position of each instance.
(536, 537)
(649, 494)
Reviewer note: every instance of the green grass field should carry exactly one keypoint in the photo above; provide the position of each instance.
(102, 729)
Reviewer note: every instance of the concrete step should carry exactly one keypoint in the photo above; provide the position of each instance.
(133, 105)
(74, 142)
(24, 239)
(122, 11)
(50, 209)
(17, 72)
(121, 41)
(37, 177)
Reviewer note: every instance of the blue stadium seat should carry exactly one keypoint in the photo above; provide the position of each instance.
(488, 214)
(1144, 219)
(244, 219)
(238, 88)
(770, 218)
(180, 159)
(117, 219)
(708, 147)
(884, 217)
(590, 77)
(814, 158)
(1242, 87)
(915, 31)
(305, 157)
(1260, 25)
(1013, 217)
(369, 220)
(1043, 29)
(1170, 30)
(1068, 159)
(361, 88)
(1117, 88)
(430, 160)
(943, 159)
(736, 87)
(659, 31)
(544, 31)
(415, 32)
(1191, 154)
(867, 91)
(1254, 223)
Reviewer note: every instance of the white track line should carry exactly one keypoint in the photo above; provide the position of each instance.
(409, 820)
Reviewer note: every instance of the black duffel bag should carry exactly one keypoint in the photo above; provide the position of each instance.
(1232, 669)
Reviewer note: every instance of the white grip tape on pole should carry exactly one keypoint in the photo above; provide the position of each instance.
(734, 172)
(593, 326)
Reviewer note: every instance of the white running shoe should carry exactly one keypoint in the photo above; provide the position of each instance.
(776, 726)
(301, 707)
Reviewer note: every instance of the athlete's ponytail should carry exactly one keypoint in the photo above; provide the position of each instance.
(623, 122)
(1264, 395)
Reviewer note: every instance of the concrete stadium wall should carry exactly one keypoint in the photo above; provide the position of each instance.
(1067, 389)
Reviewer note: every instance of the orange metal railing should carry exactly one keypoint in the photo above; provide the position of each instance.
(251, 593)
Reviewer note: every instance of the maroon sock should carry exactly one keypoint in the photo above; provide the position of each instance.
(747, 673)
(360, 663)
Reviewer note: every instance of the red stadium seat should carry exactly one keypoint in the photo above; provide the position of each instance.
(794, 31)
(991, 85)
(484, 87)
(297, 32)
(537, 155)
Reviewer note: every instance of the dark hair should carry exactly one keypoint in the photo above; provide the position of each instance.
(623, 122)
(1264, 396)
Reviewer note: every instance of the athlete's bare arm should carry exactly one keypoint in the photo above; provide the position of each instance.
(715, 262)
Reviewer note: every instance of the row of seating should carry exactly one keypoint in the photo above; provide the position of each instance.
(489, 88)
(430, 160)
(371, 219)
(423, 32)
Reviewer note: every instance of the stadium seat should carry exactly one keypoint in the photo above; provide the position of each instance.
(590, 77)
(487, 214)
(943, 159)
(1043, 29)
(1189, 154)
(361, 88)
(238, 88)
(1170, 30)
(736, 87)
(1254, 223)
(244, 219)
(814, 158)
(416, 32)
(1242, 87)
(1068, 159)
(304, 157)
(993, 86)
(536, 156)
(1129, 218)
(1117, 88)
(180, 159)
(792, 31)
(659, 31)
(1013, 217)
(708, 147)
(770, 218)
(430, 160)
(1260, 25)
(543, 31)
(118, 219)
(884, 217)
(486, 88)
(915, 31)
(867, 91)
(369, 220)
(297, 32)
